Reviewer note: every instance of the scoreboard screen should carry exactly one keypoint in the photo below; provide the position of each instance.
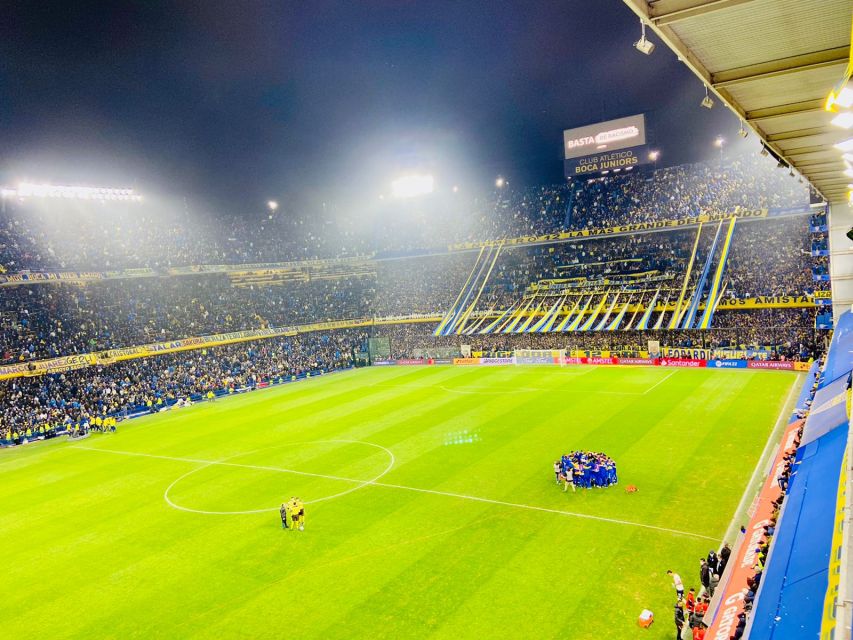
(605, 146)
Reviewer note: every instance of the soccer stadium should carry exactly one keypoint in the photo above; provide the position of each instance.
(306, 329)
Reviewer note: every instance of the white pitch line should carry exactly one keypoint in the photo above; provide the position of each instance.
(659, 382)
(220, 463)
(545, 509)
(449, 494)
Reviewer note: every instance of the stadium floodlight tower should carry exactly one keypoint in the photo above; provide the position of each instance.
(412, 186)
(68, 192)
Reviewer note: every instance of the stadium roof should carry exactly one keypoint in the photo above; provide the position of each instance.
(773, 62)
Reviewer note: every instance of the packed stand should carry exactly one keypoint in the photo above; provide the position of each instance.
(777, 334)
(75, 400)
(50, 320)
(108, 236)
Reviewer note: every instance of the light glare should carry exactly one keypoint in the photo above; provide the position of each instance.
(412, 186)
(32, 190)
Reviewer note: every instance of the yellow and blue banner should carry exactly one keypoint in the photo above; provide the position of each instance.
(713, 297)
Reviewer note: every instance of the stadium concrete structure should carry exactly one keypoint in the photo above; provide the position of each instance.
(464, 327)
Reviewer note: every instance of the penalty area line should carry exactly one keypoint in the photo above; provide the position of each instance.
(387, 485)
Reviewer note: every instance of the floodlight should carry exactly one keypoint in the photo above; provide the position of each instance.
(842, 98)
(32, 190)
(412, 186)
(719, 142)
(272, 205)
(742, 132)
(707, 101)
(654, 155)
(643, 45)
(500, 182)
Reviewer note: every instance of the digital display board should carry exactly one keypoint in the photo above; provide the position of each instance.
(606, 146)
(612, 135)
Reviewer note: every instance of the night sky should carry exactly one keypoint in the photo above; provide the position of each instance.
(237, 102)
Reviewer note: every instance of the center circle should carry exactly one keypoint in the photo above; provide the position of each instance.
(227, 463)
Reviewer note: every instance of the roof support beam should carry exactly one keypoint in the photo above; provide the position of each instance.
(838, 57)
(801, 150)
(823, 175)
(808, 106)
(814, 166)
(800, 133)
(664, 12)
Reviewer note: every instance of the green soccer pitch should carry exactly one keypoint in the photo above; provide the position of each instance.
(431, 507)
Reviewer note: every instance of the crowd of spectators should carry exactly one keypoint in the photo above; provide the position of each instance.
(767, 258)
(79, 396)
(770, 258)
(778, 334)
(776, 341)
(49, 320)
(686, 190)
(53, 235)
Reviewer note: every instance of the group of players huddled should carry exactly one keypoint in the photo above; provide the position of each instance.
(585, 469)
(293, 514)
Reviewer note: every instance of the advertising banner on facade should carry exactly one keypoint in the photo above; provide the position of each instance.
(684, 363)
(771, 364)
(534, 360)
(726, 364)
(637, 361)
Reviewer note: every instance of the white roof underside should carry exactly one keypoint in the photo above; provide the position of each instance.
(773, 62)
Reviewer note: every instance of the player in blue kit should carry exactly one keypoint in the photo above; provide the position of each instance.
(586, 470)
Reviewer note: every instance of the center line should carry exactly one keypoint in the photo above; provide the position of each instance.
(387, 485)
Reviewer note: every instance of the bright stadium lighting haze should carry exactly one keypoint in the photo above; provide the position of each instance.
(72, 192)
(412, 186)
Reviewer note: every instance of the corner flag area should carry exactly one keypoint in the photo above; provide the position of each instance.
(430, 502)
